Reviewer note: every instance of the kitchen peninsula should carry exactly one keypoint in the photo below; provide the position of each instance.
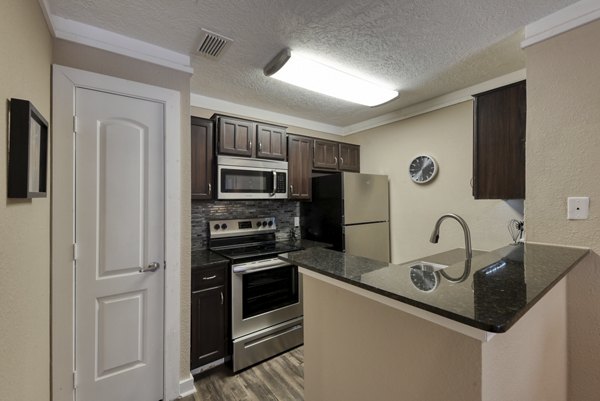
(493, 329)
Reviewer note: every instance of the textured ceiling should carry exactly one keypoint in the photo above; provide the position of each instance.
(423, 48)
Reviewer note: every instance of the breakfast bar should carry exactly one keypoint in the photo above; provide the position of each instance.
(488, 328)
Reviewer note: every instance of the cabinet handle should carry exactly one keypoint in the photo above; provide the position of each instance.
(209, 189)
(291, 189)
(222, 298)
(335, 157)
(250, 145)
(341, 160)
(209, 278)
(260, 146)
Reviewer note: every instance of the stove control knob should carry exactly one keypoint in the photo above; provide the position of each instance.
(258, 224)
(223, 226)
(264, 223)
(216, 227)
(270, 223)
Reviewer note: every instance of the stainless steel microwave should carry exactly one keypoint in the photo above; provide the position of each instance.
(245, 178)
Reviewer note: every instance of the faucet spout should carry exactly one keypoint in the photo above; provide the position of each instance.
(435, 235)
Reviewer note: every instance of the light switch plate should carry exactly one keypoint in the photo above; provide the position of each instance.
(578, 208)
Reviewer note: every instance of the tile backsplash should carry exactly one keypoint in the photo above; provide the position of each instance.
(204, 211)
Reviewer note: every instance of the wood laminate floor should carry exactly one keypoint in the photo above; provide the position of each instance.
(278, 379)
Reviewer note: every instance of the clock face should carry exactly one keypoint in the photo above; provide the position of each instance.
(422, 169)
(424, 280)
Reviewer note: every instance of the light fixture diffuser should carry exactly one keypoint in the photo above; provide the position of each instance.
(312, 75)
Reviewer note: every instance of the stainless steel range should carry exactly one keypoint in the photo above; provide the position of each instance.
(266, 293)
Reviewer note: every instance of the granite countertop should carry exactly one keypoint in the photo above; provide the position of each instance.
(490, 294)
(206, 258)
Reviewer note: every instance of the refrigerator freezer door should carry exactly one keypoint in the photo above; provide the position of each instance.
(368, 240)
(366, 198)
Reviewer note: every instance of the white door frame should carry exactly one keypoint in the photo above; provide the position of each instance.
(65, 81)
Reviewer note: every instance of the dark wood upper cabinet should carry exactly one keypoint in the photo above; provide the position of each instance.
(235, 136)
(202, 132)
(499, 143)
(209, 315)
(300, 167)
(270, 141)
(349, 157)
(325, 155)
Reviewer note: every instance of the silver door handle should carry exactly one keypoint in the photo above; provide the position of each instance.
(274, 183)
(222, 300)
(291, 189)
(209, 189)
(250, 145)
(341, 160)
(260, 146)
(210, 278)
(335, 157)
(150, 268)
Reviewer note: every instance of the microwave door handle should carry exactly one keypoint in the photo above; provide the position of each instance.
(274, 183)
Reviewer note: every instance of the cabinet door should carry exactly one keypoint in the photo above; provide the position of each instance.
(208, 326)
(299, 167)
(270, 142)
(325, 155)
(349, 157)
(499, 143)
(202, 158)
(235, 137)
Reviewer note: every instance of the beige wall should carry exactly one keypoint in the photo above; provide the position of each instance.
(206, 113)
(563, 159)
(26, 53)
(447, 135)
(99, 61)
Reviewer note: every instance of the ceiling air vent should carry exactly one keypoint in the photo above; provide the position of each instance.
(213, 45)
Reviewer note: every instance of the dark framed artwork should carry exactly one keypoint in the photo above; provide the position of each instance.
(28, 151)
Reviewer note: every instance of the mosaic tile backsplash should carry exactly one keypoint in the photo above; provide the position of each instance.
(204, 211)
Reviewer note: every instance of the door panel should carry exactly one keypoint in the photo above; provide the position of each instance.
(119, 215)
(123, 313)
(121, 189)
(368, 240)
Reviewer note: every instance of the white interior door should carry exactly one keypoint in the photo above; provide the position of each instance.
(119, 229)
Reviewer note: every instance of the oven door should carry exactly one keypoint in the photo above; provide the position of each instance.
(264, 293)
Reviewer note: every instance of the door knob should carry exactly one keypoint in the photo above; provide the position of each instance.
(150, 268)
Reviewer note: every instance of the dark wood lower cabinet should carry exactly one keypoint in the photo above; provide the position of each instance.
(209, 328)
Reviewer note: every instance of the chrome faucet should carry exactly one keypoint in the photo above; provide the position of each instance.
(435, 235)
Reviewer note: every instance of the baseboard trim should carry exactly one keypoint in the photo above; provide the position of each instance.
(186, 387)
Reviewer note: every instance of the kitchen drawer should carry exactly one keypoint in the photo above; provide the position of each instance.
(203, 278)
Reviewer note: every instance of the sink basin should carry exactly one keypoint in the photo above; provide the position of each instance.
(427, 266)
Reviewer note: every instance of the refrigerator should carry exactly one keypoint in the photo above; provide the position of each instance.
(351, 212)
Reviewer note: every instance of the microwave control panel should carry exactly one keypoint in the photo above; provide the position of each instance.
(281, 185)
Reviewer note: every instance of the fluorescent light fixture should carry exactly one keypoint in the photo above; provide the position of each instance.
(321, 78)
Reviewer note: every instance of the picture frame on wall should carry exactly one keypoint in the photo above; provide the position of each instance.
(28, 151)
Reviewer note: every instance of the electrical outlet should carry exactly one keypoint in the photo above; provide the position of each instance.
(296, 221)
(578, 208)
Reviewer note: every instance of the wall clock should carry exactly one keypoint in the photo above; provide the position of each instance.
(422, 169)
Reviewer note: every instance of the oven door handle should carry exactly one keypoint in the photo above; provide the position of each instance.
(246, 268)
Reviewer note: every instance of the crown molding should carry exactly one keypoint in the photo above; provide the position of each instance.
(436, 103)
(564, 20)
(450, 99)
(224, 106)
(89, 35)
